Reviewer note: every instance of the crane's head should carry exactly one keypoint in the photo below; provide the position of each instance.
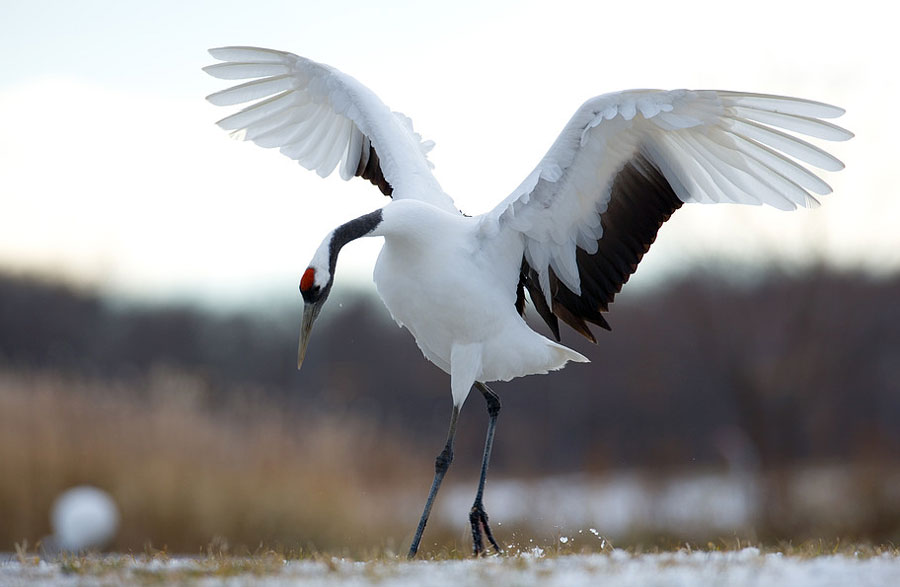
(315, 285)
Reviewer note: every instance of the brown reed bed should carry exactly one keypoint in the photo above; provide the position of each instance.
(192, 467)
(198, 469)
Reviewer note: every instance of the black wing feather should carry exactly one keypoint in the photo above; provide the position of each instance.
(369, 167)
(641, 201)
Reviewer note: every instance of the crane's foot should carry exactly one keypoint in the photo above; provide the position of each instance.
(480, 528)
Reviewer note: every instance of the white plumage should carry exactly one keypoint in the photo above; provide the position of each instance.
(571, 234)
(319, 117)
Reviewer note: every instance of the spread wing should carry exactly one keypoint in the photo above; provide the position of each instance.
(626, 161)
(321, 117)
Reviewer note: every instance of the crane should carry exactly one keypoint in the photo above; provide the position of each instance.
(570, 235)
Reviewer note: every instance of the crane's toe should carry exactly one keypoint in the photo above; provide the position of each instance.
(480, 528)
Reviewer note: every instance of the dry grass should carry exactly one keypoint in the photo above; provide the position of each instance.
(187, 476)
(195, 469)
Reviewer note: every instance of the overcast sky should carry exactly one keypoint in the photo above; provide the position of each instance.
(113, 174)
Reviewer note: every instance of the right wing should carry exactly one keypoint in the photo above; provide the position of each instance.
(626, 161)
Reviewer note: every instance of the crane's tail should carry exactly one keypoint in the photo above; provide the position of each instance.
(524, 353)
(564, 354)
(552, 357)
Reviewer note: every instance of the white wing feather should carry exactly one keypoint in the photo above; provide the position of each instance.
(711, 146)
(321, 117)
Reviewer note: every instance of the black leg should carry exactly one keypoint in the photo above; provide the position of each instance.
(441, 464)
(478, 517)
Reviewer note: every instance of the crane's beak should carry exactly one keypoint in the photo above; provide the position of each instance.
(310, 312)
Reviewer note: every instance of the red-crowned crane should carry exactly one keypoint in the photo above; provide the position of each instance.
(570, 235)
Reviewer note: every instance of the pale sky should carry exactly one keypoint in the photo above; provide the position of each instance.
(112, 172)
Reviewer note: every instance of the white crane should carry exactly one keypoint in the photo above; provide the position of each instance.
(571, 234)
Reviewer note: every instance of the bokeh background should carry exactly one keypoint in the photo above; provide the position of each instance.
(149, 311)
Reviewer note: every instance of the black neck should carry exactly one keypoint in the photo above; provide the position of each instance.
(351, 231)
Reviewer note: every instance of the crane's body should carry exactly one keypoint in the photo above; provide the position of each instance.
(461, 313)
(569, 236)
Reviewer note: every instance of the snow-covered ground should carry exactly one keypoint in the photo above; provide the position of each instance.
(616, 568)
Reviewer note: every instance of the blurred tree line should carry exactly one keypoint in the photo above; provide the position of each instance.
(769, 372)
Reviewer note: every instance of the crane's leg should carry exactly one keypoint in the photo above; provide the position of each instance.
(441, 464)
(477, 516)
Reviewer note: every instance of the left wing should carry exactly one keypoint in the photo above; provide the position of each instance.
(626, 161)
(320, 117)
